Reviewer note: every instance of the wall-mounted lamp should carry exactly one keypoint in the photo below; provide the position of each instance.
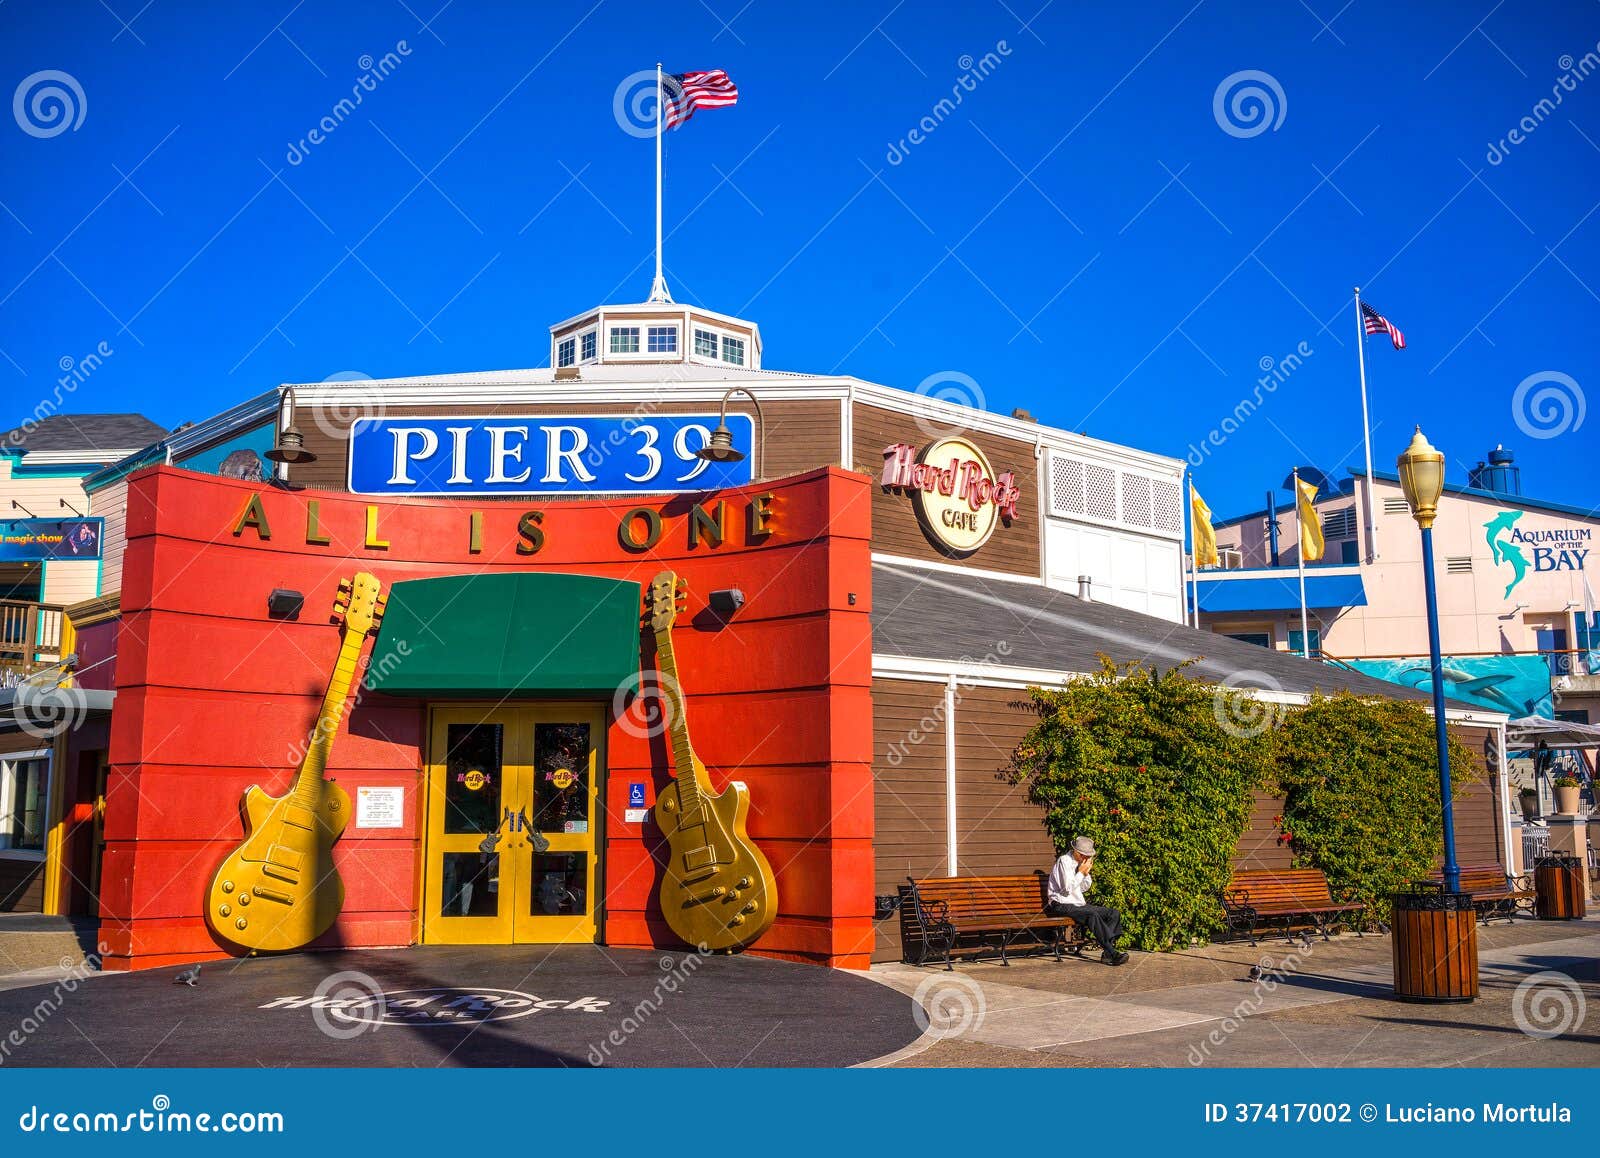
(1512, 614)
(81, 515)
(720, 448)
(284, 604)
(291, 444)
(1571, 603)
(16, 506)
(726, 602)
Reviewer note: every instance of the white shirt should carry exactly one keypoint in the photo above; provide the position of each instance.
(1067, 884)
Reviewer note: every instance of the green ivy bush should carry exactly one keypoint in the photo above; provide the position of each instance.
(1360, 778)
(1161, 771)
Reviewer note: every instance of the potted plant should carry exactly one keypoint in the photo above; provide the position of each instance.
(1528, 797)
(1567, 788)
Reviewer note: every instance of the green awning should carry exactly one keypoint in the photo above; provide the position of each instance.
(508, 634)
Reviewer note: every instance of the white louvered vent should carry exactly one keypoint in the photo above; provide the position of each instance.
(1166, 505)
(1136, 500)
(1395, 507)
(1458, 564)
(1066, 485)
(1100, 492)
(1340, 524)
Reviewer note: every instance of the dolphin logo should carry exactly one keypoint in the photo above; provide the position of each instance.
(1498, 532)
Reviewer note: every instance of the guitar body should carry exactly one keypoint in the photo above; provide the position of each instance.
(278, 890)
(718, 892)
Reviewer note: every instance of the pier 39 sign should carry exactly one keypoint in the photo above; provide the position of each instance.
(561, 455)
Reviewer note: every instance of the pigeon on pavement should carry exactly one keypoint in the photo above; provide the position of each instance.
(189, 977)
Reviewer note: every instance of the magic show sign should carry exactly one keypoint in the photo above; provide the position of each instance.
(571, 455)
(34, 540)
(958, 498)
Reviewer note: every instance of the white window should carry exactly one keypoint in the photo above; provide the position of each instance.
(662, 340)
(566, 352)
(705, 344)
(24, 790)
(588, 346)
(625, 339)
(733, 350)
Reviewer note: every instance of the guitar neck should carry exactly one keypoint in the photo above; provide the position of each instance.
(308, 780)
(683, 757)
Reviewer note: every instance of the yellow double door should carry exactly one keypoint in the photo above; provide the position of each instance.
(511, 853)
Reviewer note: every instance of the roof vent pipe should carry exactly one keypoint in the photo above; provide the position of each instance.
(1086, 588)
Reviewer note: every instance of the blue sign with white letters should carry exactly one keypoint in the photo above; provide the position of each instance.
(548, 454)
(635, 795)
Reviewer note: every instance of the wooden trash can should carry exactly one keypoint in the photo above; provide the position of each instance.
(1558, 885)
(1435, 946)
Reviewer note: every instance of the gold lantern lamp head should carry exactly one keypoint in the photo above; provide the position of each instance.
(1422, 478)
(719, 447)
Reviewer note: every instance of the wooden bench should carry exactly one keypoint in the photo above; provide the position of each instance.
(1293, 898)
(940, 916)
(1494, 893)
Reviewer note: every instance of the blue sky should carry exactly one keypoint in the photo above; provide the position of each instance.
(1083, 235)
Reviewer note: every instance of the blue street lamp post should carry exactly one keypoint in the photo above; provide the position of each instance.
(1435, 931)
(1422, 479)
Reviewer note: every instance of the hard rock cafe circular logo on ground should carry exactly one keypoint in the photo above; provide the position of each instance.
(439, 1006)
(958, 498)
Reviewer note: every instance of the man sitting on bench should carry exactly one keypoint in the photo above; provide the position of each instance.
(1069, 880)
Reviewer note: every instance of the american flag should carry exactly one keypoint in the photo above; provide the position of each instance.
(685, 92)
(1378, 324)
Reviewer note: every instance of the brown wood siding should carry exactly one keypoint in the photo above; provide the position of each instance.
(21, 886)
(908, 781)
(895, 529)
(800, 435)
(1477, 813)
(1259, 847)
(999, 831)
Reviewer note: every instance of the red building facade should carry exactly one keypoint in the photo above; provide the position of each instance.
(215, 695)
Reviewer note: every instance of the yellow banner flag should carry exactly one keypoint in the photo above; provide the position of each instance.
(1205, 535)
(1311, 544)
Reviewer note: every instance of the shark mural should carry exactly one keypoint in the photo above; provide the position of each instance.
(1518, 685)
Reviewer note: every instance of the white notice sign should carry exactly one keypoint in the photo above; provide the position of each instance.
(380, 807)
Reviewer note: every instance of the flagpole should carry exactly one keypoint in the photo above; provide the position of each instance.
(1300, 566)
(658, 288)
(1193, 616)
(1366, 428)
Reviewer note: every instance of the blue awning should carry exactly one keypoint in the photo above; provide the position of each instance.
(1281, 592)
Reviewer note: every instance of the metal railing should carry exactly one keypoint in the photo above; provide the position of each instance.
(30, 637)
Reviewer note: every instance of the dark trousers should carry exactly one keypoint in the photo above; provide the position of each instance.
(1103, 924)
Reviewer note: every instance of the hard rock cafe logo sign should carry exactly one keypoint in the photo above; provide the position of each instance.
(958, 497)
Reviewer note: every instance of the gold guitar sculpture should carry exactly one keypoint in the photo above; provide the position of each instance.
(718, 891)
(279, 890)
